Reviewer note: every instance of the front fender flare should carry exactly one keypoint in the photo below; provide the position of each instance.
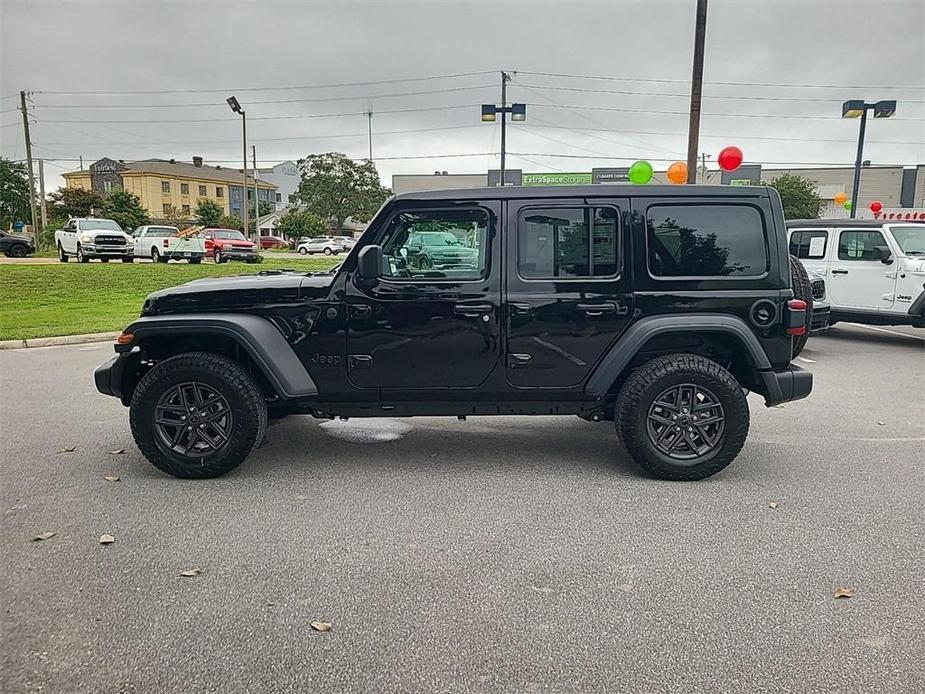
(262, 341)
(629, 344)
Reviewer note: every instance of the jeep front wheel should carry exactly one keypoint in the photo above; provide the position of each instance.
(197, 415)
(682, 417)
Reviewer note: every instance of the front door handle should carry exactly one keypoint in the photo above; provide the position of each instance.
(597, 309)
(473, 310)
(839, 272)
(517, 309)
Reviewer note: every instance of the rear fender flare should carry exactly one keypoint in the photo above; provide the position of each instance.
(262, 341)
(637, 335)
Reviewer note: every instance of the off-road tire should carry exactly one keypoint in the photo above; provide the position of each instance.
(62, 256)
(646, 383)
(17, 250)
(802, 289)
(247, 403)
(81, 258)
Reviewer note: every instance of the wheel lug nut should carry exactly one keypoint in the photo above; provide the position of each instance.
(202, 426)
(674, 416)
(189, 428)
(677, 428)
(690, 428)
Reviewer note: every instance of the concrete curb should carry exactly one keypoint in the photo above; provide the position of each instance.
(54, 341)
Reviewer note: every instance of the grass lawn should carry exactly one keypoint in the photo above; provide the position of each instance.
(70, 299)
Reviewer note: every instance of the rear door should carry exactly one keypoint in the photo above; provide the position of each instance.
(567, 295)
(857, 277)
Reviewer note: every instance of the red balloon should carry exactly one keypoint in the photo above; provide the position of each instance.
(730, 158)
(876, 206)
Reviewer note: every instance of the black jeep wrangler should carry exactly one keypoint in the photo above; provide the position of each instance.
(653, 307)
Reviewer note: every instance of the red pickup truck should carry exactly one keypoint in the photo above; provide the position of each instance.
(223, 245)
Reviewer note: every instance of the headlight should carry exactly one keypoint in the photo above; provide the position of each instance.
(86, 239)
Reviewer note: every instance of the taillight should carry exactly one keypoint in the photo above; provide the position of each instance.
(795, 320)
(166, 243)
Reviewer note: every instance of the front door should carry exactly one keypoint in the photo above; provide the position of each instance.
(433, 319)
(857, 277)
(69, 237)
(567, 297)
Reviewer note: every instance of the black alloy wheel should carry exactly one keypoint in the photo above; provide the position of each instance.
(193, 419)
(686, 422)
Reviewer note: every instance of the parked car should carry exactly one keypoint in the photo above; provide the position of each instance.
(439, 250)
(348, 242)
(328, 245)
(15, 245)
(223, 245)
(273, 242)
(87, 237)
(874, 270)
(164, 243)
(653, 307)
(821, 308)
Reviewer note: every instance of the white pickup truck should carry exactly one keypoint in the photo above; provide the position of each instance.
(87, 237)
(163, 243)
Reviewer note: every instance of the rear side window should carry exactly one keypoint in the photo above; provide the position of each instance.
(859, 245)
(706, 241)
(808, 245)
(567, 242)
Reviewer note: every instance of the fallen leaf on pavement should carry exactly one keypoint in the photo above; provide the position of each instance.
(882, 424)
(111, 478)
(191, 572)
(106, 539)
(69, 449)
(43, 536)
(773, 504)
(843, 592)
(321, 626)
(118, 451)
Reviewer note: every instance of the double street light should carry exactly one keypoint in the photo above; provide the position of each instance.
(236, 107)
(490, 111)
(858, 108)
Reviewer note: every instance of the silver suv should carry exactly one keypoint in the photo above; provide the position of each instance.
(329, 245)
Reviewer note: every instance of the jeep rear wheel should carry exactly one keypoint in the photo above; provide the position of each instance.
(802, 289)
(197, 415)
(682, 417)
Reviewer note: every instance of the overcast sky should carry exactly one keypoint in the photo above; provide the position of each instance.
(181, 59)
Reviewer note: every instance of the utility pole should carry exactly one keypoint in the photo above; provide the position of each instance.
(256, 199)
(81, 162)
(369, 116)
(693, 131)
(25, 128)
(505, 78)
(42, 194)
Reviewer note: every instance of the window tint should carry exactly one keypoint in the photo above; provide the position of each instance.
(809, 244)
(441, 244)
(706, 240)
(555, 242)
(859, 245)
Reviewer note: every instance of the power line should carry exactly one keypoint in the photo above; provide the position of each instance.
(770, 116)
(731, 84)
(273, 89)
(763, 163)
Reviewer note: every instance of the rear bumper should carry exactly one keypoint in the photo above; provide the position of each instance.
(793, 383)
(174, 255)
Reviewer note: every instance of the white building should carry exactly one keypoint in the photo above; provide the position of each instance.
(286, 177)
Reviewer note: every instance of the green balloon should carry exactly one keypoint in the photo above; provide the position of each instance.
(848, 205)
(641, 172)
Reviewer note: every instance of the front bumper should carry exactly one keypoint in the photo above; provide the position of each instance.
(108, 377)
(793, 383)
(107, 251)
(238, 255)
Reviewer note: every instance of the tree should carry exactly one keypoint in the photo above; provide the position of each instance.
(229, 221)
(264, 209)
(799, 196)
(176, 218)
(76, 202)
(125, 209)
(208, 213)
(297, 223)
(336, 188)
(14, 194)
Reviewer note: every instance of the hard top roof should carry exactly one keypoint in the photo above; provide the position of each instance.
(587, 191)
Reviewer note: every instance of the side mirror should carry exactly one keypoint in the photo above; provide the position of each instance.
(369, 263)
(882, 253)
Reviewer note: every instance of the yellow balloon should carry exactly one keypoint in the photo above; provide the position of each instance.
(677, 172)
(840, 198)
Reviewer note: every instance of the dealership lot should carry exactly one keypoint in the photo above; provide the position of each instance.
(498, 554)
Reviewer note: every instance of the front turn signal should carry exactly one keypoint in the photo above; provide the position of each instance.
(125, 339)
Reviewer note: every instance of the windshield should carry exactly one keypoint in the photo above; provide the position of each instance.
(101, 224)
(910, 237)
(229, 234)
(163, 231)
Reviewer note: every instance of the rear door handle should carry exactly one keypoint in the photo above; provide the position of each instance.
(473, 310)
(596, 309)
(839, 272)
(517, 309)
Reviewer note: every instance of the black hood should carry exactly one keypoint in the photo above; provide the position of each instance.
(237, 292)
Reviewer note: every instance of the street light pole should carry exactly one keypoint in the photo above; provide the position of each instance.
(857, 167)
(236, 107)
(693, 128)
(490, 115)
(504, 80)
(858, 108)
(256, 199)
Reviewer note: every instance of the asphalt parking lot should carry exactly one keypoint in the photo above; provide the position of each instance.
(493, 555)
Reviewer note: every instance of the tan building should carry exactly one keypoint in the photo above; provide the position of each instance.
(162, 185)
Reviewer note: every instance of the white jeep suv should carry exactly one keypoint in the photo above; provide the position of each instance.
(87, 237)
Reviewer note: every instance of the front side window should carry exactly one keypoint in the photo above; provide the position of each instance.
(860, 245)
(561, 242)
(809, 244)
(705, 241)
(439, 244)
(165, 186)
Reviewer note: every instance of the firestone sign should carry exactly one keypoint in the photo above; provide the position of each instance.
(901, 214)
